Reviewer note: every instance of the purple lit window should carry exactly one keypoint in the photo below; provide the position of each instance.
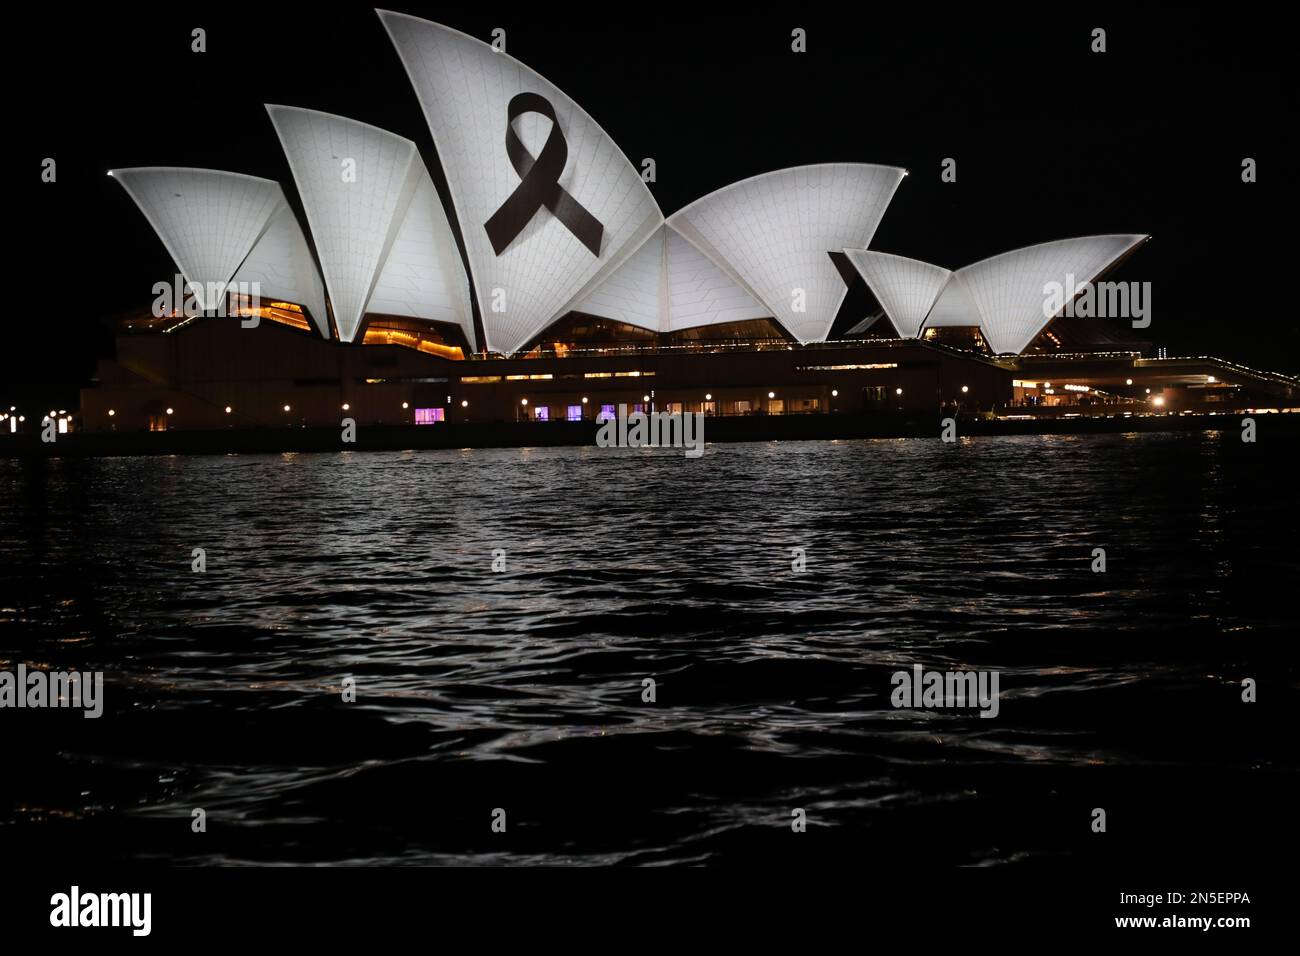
(606, 411)
(428, 416)
(542, 413)
(575, 413)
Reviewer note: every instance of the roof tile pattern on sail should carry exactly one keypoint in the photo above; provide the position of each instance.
(208, 220)
(464, 88)
(700, 293)
(282, 266)
(423, 275)
(367, 196)
(905, 288)
(668, 285)
(1009, 290)
(954, 307)
(774, 234)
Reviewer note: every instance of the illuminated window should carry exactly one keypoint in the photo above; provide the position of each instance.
(575, 413)
(542, 413)
(606, 411)
(845, 368)
(429, 416)
(638, 407)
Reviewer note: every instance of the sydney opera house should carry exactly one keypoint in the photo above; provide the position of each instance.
(548, 286)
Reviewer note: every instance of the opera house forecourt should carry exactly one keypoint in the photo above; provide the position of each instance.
(548, 287)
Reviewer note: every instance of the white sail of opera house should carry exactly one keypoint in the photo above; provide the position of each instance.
(668, 285)
(774, 233)
(1003, 296)
(223, 228)
(465, 89)
(383, 238)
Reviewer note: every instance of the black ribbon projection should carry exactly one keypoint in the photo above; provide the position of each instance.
(539, 183)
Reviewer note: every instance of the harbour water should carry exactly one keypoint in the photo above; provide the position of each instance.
(501, 613)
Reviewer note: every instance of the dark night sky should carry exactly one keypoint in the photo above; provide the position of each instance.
(1051, 141)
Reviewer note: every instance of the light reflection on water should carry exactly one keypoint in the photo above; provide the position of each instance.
(523, 688)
